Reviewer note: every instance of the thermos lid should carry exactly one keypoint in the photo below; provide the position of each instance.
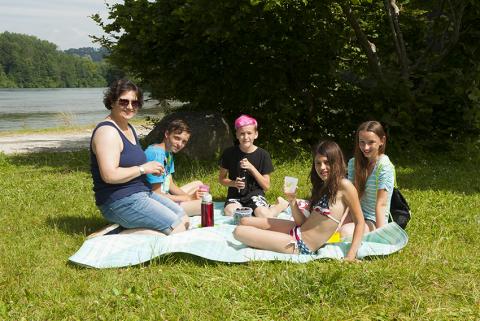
(207, 197)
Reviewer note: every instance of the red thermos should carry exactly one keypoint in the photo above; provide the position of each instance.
(207, 210)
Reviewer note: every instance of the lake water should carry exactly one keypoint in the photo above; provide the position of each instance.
(45, 108)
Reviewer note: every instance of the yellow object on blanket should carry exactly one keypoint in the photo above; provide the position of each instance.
(335, 238)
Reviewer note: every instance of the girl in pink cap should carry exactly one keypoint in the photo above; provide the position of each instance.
(245, 169)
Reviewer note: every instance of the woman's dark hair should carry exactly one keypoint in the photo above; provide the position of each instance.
(361, 162)
(117, 88)
(178, 126)
(336, 161)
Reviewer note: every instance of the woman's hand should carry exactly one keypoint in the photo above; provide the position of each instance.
(153, 167)
(351, 259)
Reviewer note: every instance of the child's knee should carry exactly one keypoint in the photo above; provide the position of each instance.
(244, 220)
(262, 211)
(229, 209)
(238, 232)
(346, 230)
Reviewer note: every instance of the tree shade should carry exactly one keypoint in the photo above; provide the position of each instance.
(310, 69)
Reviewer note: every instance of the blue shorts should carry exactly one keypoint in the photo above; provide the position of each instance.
(144, 210)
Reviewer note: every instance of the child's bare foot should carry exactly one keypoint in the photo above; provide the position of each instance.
(282, 203)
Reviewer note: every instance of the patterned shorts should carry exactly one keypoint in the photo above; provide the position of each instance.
(299, 244)
(252, 202)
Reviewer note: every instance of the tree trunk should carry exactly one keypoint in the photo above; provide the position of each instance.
(393, 13)
(368, 47)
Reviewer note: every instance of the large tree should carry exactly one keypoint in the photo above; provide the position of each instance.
(310, 68)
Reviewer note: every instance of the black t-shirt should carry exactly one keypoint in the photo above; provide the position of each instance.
(230, 160)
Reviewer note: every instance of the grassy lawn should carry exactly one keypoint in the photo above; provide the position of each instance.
(47, 209)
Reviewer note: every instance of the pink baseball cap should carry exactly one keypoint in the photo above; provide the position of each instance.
(245, 120)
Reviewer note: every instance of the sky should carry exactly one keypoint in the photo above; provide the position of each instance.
(65, 23)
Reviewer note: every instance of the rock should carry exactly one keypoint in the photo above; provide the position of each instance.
(210, 133)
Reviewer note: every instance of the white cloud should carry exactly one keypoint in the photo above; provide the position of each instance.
(65, 23)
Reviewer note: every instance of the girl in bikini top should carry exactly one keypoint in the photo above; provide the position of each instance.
(322, 208)
(329, 186)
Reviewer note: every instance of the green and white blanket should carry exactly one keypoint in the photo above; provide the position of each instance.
(218, 244)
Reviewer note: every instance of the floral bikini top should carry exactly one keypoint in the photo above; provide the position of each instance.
(322, 208)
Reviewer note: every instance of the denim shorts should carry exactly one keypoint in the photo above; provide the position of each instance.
(144, 210)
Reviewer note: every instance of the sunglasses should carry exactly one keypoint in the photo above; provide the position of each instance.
(125, 102)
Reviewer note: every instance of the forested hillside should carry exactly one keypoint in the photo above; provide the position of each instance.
(28, 62)
(96, 54)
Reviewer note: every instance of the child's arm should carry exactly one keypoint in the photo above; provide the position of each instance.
(353, 203)
(380, 207)
(262, 180)
(176, 194)
(225, 181)
(385, 183)
(298, 216)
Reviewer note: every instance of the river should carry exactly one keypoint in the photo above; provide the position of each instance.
(50, 107)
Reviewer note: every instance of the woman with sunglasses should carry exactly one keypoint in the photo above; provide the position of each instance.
(119, 166)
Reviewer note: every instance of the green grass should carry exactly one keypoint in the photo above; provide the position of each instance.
(47, 209)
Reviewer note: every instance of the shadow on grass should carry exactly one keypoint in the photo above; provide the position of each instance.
(434, 173)
(80, 161)
(170, 259)
(70, 161)
(76, 224)
(454, 176)
(176, 258)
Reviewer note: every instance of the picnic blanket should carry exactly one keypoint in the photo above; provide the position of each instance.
(218, 244)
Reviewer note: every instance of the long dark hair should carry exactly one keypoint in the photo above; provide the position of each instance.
(361, 162)
(336, 161)
(117, 88)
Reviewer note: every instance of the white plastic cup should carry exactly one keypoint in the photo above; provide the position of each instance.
(290, 184)
(241, 212)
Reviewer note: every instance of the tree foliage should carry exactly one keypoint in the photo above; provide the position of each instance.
(95, 54)
(27, 62)
(308, 69)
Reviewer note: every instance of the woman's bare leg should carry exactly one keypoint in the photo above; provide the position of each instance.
(192, 208)
(230, 209)
(183, 226)
(265, 239)
(273, 210)
(346, 230)
(191, 187)
(272, 224)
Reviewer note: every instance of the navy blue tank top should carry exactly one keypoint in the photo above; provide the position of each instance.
(131, 155)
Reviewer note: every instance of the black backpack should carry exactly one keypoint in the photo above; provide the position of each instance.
(399, 208)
